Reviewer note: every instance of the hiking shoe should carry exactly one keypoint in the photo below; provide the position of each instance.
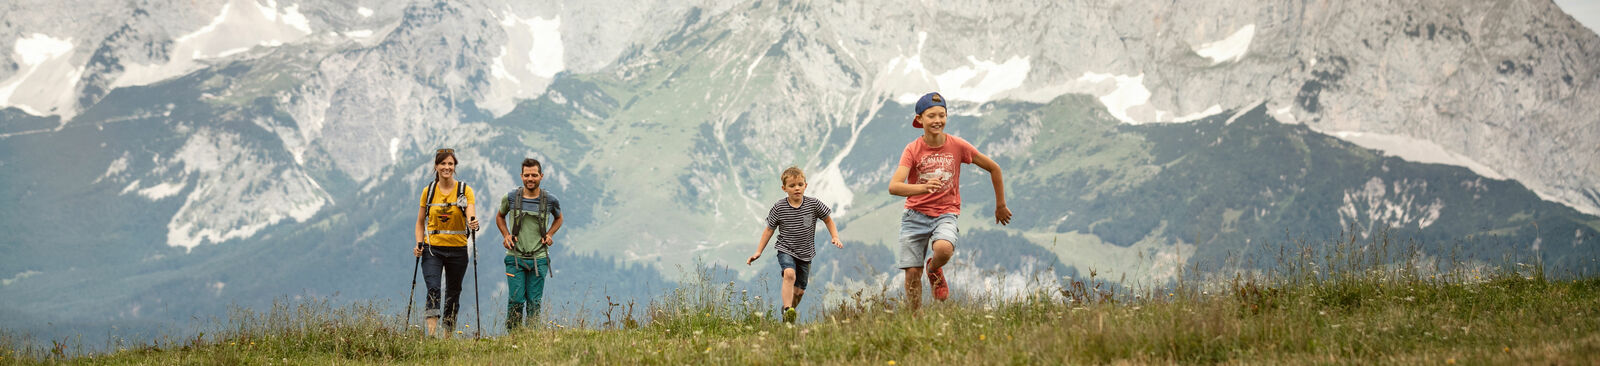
(789, 315)
(941, 289)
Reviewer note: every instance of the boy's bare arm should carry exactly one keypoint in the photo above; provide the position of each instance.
(1002, 214)
(765, 235)
(833, 231)
(899, 187)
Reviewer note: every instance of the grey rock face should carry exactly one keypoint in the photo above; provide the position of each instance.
(1508, 84)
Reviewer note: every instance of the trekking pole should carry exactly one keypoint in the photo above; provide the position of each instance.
(476, 309)
(411, 299)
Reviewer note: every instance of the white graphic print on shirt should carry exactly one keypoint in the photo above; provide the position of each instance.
(939, 166)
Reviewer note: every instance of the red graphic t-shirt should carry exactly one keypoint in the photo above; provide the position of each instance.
(943, 163)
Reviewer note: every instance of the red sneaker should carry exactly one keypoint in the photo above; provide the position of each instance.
(941, 289)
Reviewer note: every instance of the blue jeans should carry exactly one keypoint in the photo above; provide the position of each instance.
(452, 262)
(525, 282)
(918, 232)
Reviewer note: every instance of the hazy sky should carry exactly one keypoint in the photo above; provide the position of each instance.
(1587, 12)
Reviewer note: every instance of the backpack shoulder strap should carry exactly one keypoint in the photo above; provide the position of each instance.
(544, 203)
(431, 187)
(461, 192)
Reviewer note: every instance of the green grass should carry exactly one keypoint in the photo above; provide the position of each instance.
(1334, 303)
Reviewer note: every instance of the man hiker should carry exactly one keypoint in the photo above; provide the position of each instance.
(535, 216)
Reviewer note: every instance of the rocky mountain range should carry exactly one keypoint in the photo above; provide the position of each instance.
(197, 139)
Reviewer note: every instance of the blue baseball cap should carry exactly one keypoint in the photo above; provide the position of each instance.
(929, 100)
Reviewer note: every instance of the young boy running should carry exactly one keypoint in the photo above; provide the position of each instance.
(795, 220)
(535, 217)
(929, 177)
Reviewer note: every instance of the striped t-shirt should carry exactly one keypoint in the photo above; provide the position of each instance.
(797, 226)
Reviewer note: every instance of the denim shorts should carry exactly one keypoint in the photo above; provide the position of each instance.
(802, 269)
(918, 232)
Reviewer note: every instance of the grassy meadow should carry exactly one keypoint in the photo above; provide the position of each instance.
(1341, 302)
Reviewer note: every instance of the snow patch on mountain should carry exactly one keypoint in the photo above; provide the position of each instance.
(394, 149)
(978, 81)
(163, 190)
(241, 25)
(530, 59)
(364, 12)
(1232, 48)
(983, 80)
(1129, 92)
(1416, 150)
(19, 276)
(46, 82)
(238, 191)
(1128, 99)
(830, 187)
(1377, 205)
(1212, 111)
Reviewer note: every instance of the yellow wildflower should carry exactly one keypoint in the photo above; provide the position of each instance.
(981, 337)
(891, 362)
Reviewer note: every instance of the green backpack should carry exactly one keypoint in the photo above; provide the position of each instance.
(526, 248)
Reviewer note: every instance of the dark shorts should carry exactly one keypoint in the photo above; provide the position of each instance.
(802, 269)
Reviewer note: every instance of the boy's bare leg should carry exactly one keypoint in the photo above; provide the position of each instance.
(789, 298)
(942, 251)
(914, 287)
(798, 294)
(433, 326)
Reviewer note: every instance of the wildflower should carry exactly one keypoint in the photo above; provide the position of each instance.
(891, 362)
(514, 346)
(459, 332)
(1507, 350)
(1450, 361)
(982, 337)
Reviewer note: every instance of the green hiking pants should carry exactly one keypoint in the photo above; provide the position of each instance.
(525, 280)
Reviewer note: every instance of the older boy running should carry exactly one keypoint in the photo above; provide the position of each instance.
(929, 177)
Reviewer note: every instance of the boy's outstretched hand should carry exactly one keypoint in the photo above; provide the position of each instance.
(752, 258)
(1002, 214)
(838, 243)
